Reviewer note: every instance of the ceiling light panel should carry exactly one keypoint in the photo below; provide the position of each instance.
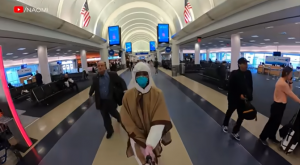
(8, 54)
(267, 39)
(270, 27)
(21, 48)
(291, 38)
(254, 36)
(252, 41)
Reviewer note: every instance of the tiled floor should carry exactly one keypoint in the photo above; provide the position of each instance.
(73, 132)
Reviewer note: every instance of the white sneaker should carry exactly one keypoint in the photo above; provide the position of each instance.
(225, 129)
(236, 136)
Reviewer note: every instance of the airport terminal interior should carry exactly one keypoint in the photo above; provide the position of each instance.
(53, 53)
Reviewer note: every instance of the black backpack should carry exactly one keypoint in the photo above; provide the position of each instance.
(249, 112)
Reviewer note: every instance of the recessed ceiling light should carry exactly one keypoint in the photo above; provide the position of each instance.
(270, 27)
(252, 40)
(34, 56)
(9, 54)
(241, 32)
(70, 50)
(297, 42)
(283, 33)
(276, 42)
(25, 53)
(262, 43)
(209, 43)
(57, 53)
(221, 41)
(57, 49)
(15, 56)
(35, 49)
(255, 36)
(291, 38)
(21, 48)
(267, 39)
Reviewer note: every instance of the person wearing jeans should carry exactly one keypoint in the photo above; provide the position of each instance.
(240, 87)
(283, 88)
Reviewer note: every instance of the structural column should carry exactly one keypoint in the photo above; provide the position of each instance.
(207, 54)
(181, 55)
(159, 57)
(43, 64)
(197, 53)
(175, 59)
(235, 51)
(104, 56)
(84, 65)
(123, 60)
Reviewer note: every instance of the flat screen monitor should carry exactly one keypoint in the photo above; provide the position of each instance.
(114, 35)
(23, 66)
(152, 46)
(277, 54)
(128, 47)
(163, 33)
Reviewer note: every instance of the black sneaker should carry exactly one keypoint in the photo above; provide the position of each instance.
(225, 129)
(236, 136)
(274, 141)
(264, 142)
(109, 135)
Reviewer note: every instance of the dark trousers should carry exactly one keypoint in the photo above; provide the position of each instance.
(232, 106)
(109, 108)
(74, 85)
(270, 129)
(156, 69)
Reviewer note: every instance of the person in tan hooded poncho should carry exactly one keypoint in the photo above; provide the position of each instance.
(145, 117)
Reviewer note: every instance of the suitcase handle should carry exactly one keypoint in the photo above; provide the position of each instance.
(149, 159)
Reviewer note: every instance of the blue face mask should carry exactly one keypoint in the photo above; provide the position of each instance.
(142, 81)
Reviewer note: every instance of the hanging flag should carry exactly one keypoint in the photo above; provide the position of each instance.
(86, 14)
(187, 13)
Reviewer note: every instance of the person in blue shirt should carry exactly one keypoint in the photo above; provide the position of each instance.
(109, 89)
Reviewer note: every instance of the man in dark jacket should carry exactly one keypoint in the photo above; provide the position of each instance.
(38, 78)
(240, 87)
(109, 89)
(156, 66)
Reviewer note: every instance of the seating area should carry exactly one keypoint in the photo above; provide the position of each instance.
(74, 76)
(22, 91)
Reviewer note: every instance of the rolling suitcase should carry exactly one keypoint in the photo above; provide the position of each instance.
(290, 141)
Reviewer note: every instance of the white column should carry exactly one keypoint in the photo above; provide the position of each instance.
(123, 60)
(159, 57)
(43, 64)
(104, 56)
(207, 54)
(84, 65)
(235, 51)
(181, 54)
(175, 59)
(197, 53)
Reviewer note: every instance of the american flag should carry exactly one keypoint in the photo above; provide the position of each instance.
(86, 14)
(187, 13)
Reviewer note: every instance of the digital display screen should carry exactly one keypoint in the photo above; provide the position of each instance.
(59, 62)
(128, 47)
(163, 33)
(23, 66)
(142, 58)
(114, 35)
(152, 46)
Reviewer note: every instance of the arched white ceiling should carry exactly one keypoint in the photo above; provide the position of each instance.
(144, 32)
(139, 28)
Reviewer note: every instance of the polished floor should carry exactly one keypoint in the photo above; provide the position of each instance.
(73, 132)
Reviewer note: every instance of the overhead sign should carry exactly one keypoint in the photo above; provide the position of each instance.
(111, 52)
(168, 49)
(163, 33)
(142, 53)
(128, 47)
(276, 60)
(114, 35)
(24, 72)
(152, 46)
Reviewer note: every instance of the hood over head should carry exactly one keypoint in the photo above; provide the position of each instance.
(138, 68)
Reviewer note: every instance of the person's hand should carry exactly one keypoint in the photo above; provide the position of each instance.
(149, 151)
(243, 97)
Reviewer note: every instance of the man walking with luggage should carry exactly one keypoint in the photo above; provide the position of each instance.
(240, 87)
(109, 89)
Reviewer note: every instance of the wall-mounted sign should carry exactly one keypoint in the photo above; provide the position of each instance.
(24, 72)
(111, 52)
(163, 33)
(67, 62)
(168, 49)
(128, 47)
(114, 35)
(152, 46)
(276, 60)
(142, 53)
